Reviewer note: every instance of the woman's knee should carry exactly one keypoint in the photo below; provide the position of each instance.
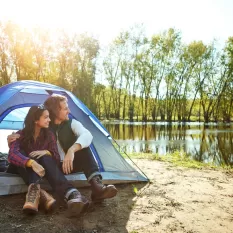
(46, 160)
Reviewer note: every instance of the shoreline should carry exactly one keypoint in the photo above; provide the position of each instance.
(177, 199)
(178, 159)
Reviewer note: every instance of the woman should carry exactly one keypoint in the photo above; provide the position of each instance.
(34, 154)
(26, 155)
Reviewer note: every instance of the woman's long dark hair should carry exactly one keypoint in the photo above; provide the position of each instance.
(34, 114)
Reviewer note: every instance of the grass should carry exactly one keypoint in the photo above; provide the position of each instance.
(178, 158)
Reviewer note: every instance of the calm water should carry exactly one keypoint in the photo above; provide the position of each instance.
(212, 143)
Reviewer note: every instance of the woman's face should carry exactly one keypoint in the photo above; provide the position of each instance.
(44, 120)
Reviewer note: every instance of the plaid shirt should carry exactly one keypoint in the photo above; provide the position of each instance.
(17, 158)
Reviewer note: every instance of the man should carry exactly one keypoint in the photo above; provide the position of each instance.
(73, 141)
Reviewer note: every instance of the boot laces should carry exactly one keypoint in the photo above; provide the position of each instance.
(32, 193)
(43, 196)
(73, 195)
(99, 181)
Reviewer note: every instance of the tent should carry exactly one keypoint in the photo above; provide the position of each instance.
(15, 100)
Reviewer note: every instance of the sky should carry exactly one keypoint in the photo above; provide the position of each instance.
(196, 19)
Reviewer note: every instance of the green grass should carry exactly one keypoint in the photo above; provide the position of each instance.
(177, 158)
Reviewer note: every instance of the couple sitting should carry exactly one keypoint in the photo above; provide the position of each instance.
(51, 145)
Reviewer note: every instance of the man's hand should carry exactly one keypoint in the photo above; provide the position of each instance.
(37, 168)
(37, 154)
(12, 137)
(67, 165)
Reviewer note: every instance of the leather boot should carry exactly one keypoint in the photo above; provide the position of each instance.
(77, 203)
(32, 199)
(101, 191)
(47, 201)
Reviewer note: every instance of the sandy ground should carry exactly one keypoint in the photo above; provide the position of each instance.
(176, 200)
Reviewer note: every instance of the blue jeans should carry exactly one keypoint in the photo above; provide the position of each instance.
(83, 162)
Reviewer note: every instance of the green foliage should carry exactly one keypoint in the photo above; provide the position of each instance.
(178, 158)
(156, 78)
(135, 190)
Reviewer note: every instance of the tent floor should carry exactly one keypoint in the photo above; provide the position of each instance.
(13, 184)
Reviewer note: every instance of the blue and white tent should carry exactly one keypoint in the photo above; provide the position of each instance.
(15, 100)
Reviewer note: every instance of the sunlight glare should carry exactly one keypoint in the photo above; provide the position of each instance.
(48, 14)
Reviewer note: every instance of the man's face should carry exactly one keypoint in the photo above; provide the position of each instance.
(63, 114)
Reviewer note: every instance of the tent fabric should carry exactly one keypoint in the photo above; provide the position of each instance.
(15, 100)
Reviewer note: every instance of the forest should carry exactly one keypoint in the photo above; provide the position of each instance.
(134, 78)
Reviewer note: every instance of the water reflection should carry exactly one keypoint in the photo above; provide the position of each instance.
(212, 143)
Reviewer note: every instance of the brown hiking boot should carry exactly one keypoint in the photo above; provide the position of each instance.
(101, 191)
(32, 199)
(48, 202)
(77, 203)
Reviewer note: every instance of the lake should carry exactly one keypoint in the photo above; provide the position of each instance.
(211, 143)
(205, 143)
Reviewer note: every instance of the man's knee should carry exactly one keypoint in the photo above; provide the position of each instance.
(84, 152)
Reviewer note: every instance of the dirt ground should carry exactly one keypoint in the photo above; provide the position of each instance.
(176, 200)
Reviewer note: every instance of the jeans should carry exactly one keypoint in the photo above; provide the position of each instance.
(83, 162)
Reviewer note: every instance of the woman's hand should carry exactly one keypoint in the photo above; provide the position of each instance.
(37, 168)
(38, 154)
